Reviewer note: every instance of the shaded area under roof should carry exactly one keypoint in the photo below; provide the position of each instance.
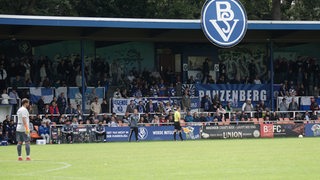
(155, 30)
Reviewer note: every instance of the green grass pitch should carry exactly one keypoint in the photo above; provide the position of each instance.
(283, 158)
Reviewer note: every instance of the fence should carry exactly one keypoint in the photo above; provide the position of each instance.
(87, 133)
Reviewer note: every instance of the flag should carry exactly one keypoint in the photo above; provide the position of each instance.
(36, 93)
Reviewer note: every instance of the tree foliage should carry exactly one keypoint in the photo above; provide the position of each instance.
(177, 9)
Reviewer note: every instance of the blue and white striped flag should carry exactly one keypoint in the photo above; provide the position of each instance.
(36, 93)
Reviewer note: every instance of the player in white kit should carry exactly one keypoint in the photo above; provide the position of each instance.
(23, 131)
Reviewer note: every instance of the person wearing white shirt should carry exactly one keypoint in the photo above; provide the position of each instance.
(23, 131)
(5, 97)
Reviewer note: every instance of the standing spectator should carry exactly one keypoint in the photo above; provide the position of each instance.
(117, 93)
(229, 109)
(79, 112)
(150, 107)
(138, 93)
(154, 91)
(141, 108)
(171, 90)
(5, 123)
(247, 106)
(62, 69)
(14, 99)
(124, 94)
(186, 101)
(206, 103)
(5, 97)
(114, 72)
(168, 107)
(11, 132)
(293, 106)
(283, 107)
(130, 107)
(43, 72)
(62, 103)
(216, 100)
(27, 67)
(18, 82)
(162, 88)
(104, 106)
(301, 90)
(161, 109)
(41, 105)
(260, 108)
(44, 132)
(3, 77)
(133, 124)
(283, 90)
(221, 113)
(205, 71)
(257, 80)
(314, 105)
(54, 111)
(95, 106)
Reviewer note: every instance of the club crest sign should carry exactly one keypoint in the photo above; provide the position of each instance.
(224, 22)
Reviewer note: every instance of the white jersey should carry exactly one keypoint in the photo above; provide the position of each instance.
(22, 112)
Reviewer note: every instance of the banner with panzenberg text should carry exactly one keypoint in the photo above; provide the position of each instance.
(237, 94)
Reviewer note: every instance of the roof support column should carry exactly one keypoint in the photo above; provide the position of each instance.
(270, 49)
(83, 75)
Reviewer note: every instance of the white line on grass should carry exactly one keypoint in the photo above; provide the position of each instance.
(65, 166)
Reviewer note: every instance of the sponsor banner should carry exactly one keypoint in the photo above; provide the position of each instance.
(237, 94)
(231, 131)
(120, 105)
(151, 133)
(312, 130)
(288, 130)
(266, 130)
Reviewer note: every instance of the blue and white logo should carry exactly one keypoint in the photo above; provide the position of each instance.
(224, 22)
(143, 133)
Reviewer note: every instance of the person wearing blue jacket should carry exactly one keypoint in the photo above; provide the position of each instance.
(44, 132)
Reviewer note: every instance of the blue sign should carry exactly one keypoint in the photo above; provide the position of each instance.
(151, 133)
(237, 94)
(312, 130)
(224, 22)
